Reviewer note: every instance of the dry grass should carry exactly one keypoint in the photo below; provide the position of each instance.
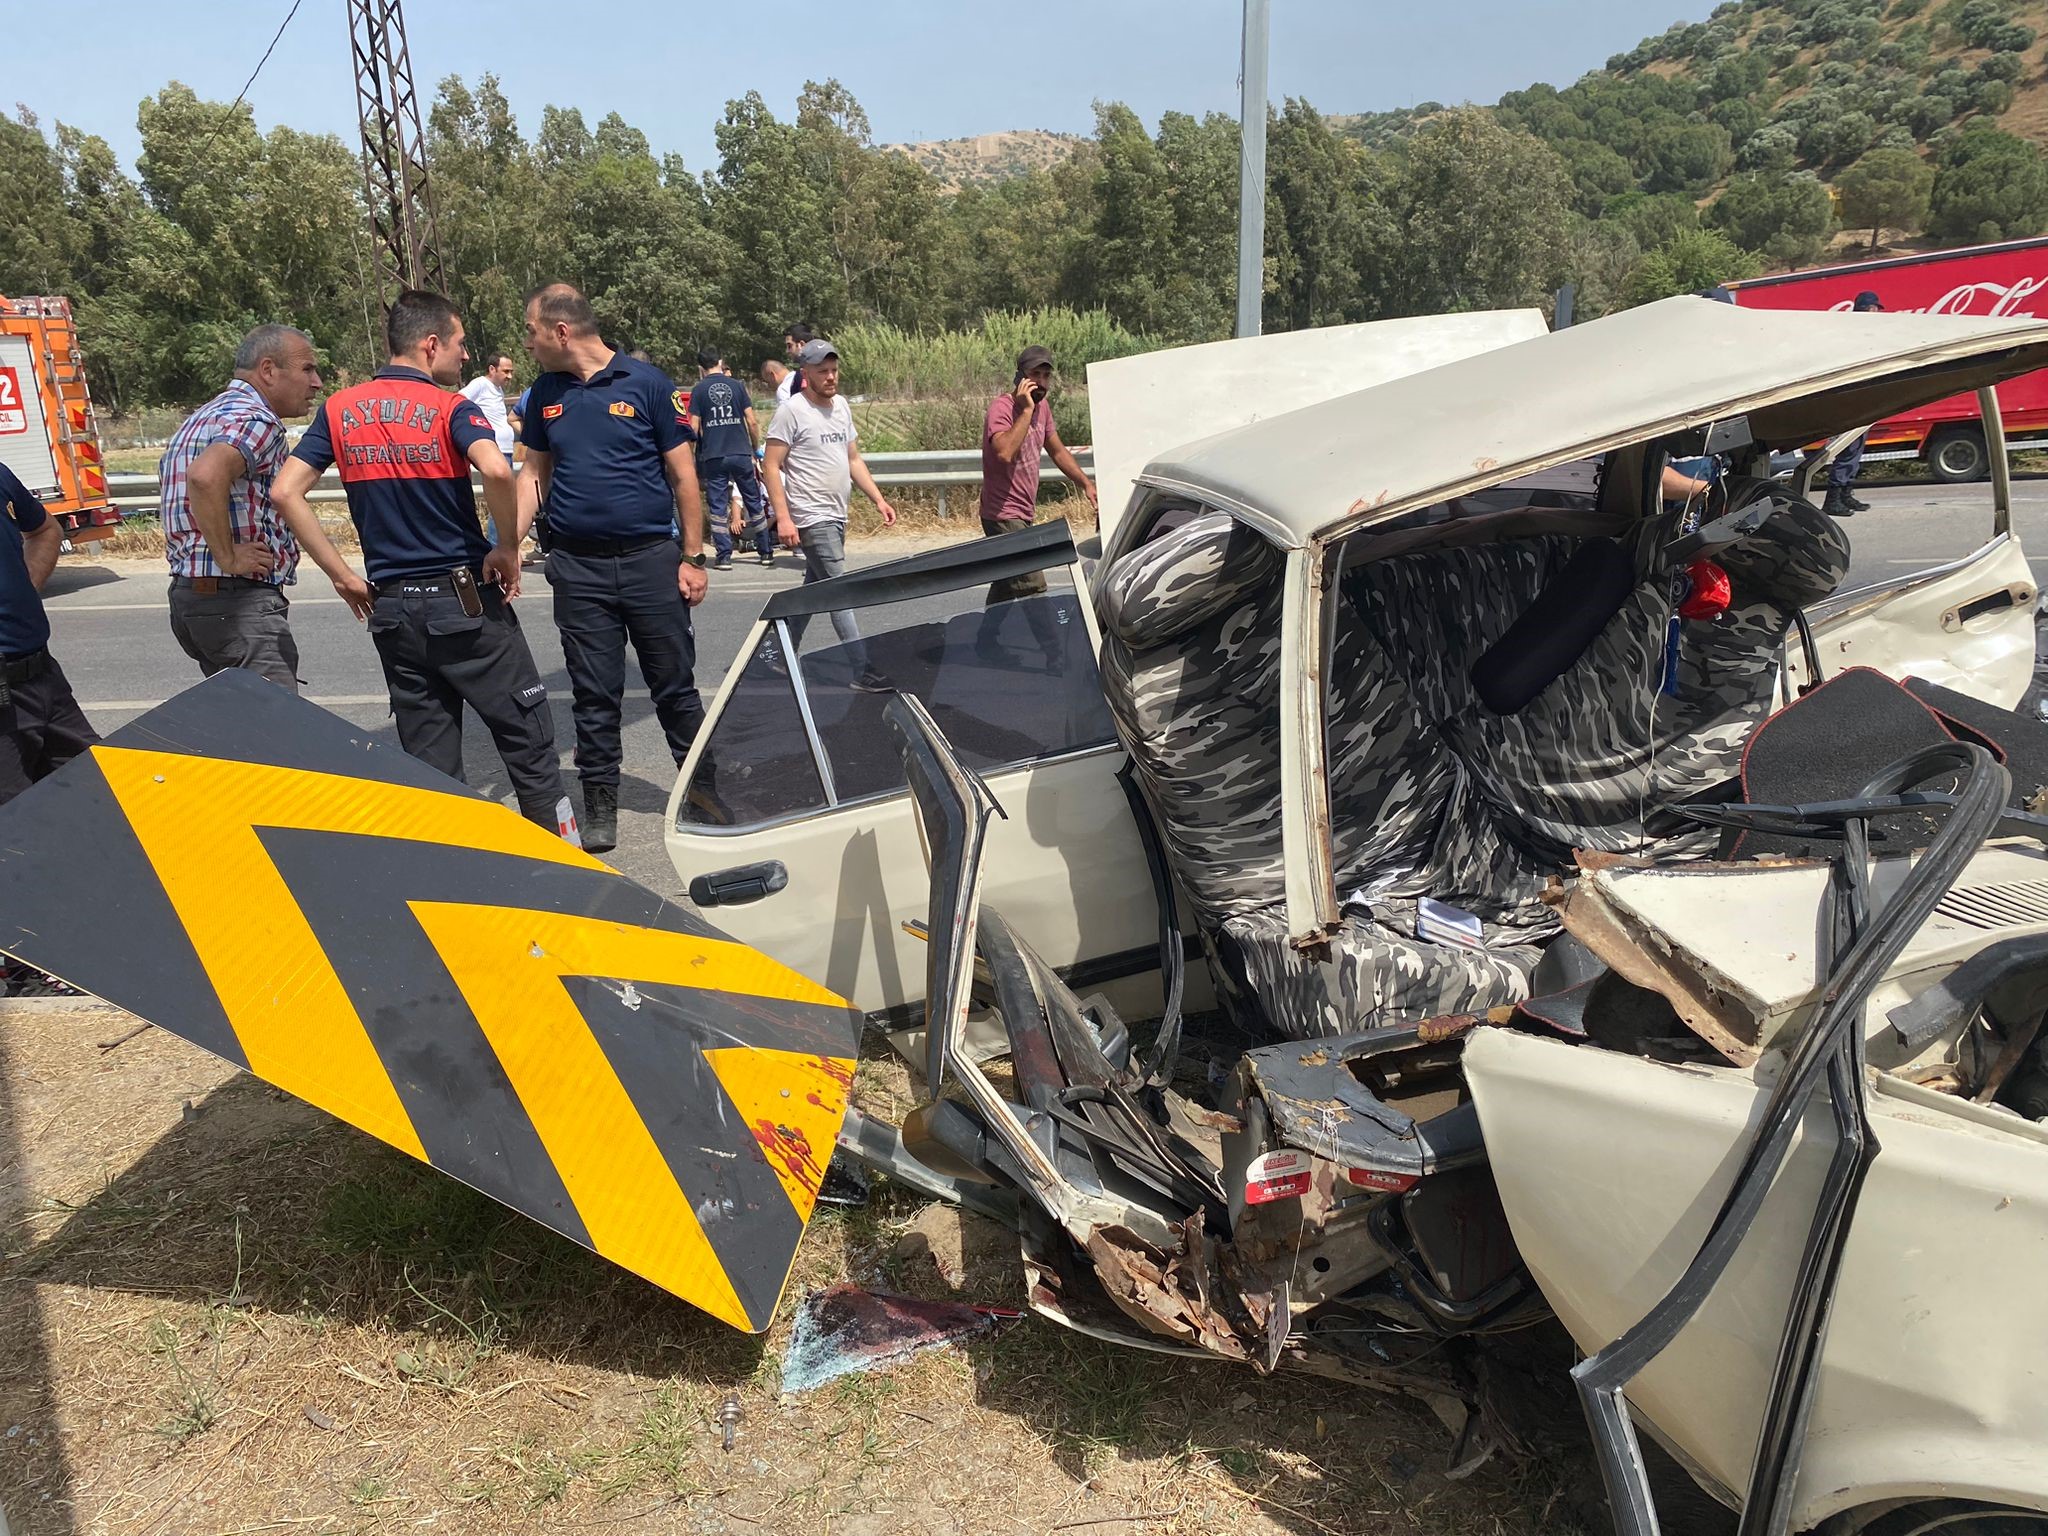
(242, 1315)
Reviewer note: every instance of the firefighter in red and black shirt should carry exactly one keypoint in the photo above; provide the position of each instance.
(438, 595)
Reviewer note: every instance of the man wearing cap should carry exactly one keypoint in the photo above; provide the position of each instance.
(812, 463)
(1016, 431)
(608, 446)
(1842, 500)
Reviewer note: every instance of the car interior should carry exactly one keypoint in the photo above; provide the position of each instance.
(1508, 682)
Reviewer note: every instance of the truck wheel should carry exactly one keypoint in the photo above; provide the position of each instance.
(1957, 455)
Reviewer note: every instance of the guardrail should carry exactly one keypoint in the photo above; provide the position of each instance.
(939, 471)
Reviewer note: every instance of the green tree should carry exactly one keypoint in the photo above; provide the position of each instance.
(1164, 225)
(1484, 217)
(1653, 220)
(883, 209)
(1988, 185)
(250, 228)
(1328, 229)
(1886, 187)
(1687, 156)
(1784, 219)
(38, 243)
(776, 221)
(1601, 256)
(496, 240)
(1696, 259)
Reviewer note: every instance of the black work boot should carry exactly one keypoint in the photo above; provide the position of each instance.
(1837, 504)
(600, 818)
(1854, 502)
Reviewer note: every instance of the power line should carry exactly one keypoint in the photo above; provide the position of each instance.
(244, 91)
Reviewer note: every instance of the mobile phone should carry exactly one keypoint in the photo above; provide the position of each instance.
(466, 593)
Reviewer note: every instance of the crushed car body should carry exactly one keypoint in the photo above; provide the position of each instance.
(1430, 761)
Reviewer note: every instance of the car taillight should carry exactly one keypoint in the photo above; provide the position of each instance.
(1376, 1178)
(1276, 1176)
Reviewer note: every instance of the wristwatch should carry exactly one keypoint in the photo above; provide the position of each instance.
(699, 559)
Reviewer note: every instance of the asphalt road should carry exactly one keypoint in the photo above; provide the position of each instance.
(111, 631)
(112, 635)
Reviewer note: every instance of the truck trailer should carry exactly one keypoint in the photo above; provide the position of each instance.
(2007, 279)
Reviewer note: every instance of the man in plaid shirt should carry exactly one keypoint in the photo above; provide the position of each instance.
(231, 557)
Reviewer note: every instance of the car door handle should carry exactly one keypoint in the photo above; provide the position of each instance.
(2015, 596)
(742, 883)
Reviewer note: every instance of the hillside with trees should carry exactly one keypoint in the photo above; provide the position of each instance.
(1768, 135)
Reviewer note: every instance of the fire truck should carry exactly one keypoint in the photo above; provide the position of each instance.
(2006, 279)
(49, 434)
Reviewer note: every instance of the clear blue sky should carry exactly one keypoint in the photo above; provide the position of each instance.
(924, 69)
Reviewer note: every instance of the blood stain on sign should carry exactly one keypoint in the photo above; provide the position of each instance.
(792, 1149)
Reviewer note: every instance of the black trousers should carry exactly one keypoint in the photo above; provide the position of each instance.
(601, 602)
(41, 729)
(438, 659)
(246, 623)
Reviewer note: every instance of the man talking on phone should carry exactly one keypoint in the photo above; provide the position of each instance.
(439, 595)
(1014, 434)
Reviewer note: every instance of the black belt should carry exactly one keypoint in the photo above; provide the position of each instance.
(22, 668)
(437, 583)
(598, 549)
(220, 583)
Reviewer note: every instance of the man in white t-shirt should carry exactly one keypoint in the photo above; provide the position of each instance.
(811, 466)
(487, 393)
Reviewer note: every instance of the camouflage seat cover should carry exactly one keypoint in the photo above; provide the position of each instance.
(1431, 794)
(1375, 972)
(1591, 756)
(1191, 669)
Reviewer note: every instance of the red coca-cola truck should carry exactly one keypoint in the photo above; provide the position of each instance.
(2007, 279)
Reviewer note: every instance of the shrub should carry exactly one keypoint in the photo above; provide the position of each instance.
(882, 359)
(1989, 185)
(1696, 259)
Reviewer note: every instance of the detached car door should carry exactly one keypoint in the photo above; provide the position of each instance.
(791, 817)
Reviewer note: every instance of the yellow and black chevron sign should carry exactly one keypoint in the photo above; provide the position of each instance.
(244, 869)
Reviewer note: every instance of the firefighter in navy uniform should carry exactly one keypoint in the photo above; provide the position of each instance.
(438, 598)
(608, 445)
(41, 725)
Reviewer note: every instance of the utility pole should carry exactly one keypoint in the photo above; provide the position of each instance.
(1251, 181)
(408, 242)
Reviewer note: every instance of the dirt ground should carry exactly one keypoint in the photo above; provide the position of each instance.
(224, 1312)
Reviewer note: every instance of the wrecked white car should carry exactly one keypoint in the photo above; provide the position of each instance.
(1641, 898)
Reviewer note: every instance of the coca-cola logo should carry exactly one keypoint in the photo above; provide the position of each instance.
(1974, 299)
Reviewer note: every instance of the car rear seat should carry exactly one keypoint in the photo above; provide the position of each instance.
(1431, 793)
(1571, 768)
